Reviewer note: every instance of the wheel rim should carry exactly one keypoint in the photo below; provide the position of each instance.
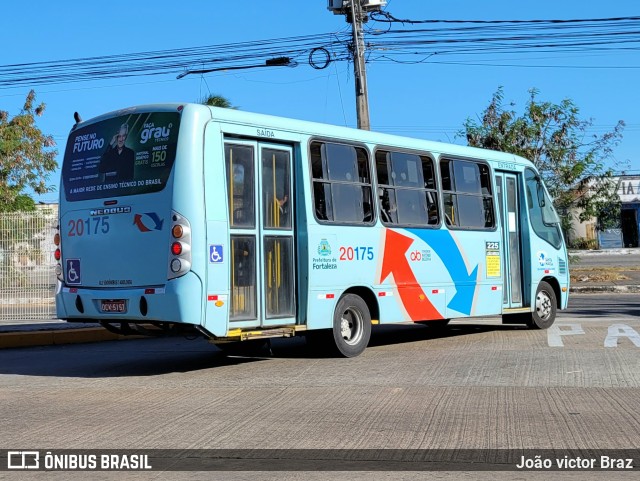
(351, 326)
(544, 306)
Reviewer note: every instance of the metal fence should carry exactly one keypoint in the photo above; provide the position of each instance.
(27, 264)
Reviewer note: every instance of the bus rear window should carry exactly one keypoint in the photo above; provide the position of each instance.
(126, 155)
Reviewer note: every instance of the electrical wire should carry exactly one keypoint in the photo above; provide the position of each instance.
(384, 16)
(175, 61)
(465, 40)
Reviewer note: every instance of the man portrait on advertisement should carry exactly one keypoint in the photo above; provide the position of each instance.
(118, 160)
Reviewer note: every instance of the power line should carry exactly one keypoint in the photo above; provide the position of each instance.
(462, 38)
(515, 65)
(175, 61)
(385, 16)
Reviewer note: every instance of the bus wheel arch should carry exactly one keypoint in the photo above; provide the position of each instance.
(368, 297)
(553, 282)
(351, 325)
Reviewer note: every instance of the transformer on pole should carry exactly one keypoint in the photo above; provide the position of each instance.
(356, 12)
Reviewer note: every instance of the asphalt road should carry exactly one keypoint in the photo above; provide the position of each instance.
(478, 385)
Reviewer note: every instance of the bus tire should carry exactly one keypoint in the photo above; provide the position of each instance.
(544, 309)
(351, 325)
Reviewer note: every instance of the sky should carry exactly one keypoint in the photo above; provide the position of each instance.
(430, 99)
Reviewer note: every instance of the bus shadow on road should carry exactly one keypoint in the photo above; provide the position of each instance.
(154, 357)
(142, 357)
(387, 335)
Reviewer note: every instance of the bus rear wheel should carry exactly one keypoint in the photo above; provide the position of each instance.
(351, 325)
(544, 310)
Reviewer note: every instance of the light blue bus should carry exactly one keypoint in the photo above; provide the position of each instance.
(182, 218)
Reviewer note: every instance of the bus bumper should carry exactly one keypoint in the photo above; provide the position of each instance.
(179, 300)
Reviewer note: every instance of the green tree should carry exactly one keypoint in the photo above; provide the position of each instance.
(21, 203)
(572, 163)
(215, 100)
(27, 156)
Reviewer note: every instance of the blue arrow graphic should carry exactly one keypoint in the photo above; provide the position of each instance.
(446, 248)
(156, 219)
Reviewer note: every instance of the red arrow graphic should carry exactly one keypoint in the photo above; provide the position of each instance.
(394, 261)
(137, 220)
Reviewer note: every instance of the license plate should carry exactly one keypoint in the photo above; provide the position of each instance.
(116, 305)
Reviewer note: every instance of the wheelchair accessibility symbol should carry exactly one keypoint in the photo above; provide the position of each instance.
(73, 271)
(215, 254)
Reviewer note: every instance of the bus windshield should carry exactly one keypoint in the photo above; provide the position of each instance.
(125, 155)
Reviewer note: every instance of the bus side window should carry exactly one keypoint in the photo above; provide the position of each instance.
(432, 204)
(240, 185)
(449, 209)
(387, 211)
(243, 277)
(468, 200)
(342, 190)
(368, 211)
(322, 201)
(275, 189)
(407, 189)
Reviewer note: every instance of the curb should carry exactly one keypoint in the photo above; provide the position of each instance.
(624, 289)
(50, 337)
(622, 251)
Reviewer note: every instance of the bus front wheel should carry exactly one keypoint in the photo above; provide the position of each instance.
(351, 325)
(544, 311)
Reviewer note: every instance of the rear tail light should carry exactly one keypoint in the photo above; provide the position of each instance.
(180, 247)
(176, 248)
(57, 254)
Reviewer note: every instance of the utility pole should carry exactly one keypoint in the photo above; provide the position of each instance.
(359, 68)
(356, 13)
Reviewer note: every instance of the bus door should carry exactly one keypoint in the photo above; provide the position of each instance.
(262, 267)
(507, 187)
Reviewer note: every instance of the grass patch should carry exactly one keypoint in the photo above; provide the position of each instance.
(600, 274)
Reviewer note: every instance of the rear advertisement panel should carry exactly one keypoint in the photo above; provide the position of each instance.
(126, 155)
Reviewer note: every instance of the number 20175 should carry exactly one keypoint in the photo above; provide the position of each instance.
(356, 253)
(88, 226)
